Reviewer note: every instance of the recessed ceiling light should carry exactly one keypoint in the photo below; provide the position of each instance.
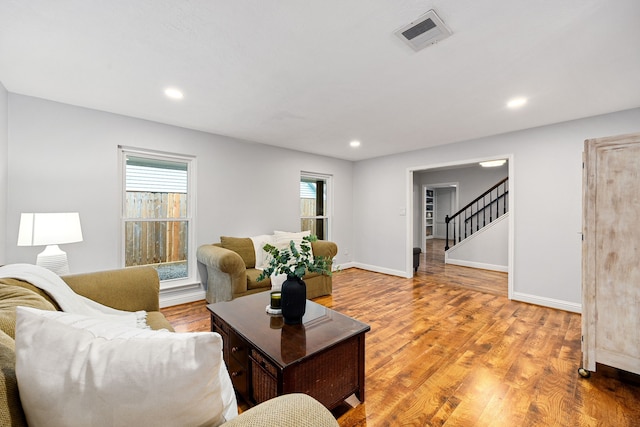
(173, 93)
(493, 163)
(517, 102)
(354, 144)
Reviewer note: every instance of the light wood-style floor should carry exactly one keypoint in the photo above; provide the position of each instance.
(447, 348)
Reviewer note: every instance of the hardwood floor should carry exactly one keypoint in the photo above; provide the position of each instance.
(447, 348)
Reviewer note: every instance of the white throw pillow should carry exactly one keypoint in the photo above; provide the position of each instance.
(283, 238)
(294, 235)
(258, 244)
(75, 370)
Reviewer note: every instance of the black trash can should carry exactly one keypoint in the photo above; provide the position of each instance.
(416, 258)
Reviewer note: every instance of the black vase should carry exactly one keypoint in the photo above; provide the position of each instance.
(294, 300)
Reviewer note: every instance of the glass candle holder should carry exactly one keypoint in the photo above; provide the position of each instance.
(276, 300)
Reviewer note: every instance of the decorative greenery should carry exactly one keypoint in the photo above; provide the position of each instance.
(293, 262)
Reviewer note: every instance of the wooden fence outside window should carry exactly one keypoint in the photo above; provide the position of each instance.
(156, 229)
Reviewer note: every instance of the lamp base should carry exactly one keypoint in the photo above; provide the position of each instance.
(55, 259)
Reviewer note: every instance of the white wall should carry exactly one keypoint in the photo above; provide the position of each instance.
(65, 158)
(472, 180)
(4, 165)
(547, 182)
(487, 248)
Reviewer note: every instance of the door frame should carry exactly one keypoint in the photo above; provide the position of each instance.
(455, 203)
(410, 208)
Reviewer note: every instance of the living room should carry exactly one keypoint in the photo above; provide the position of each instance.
(76, 169)
(59, 154)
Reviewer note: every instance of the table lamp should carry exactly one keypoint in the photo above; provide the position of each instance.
(50, 229)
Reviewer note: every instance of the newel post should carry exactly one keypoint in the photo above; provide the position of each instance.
(446, 221)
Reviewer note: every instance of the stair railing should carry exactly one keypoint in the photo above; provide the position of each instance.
(481, 211)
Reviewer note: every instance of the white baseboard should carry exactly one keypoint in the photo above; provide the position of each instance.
(343, 266)
(547, 302)
(463, 263)
(377, 269)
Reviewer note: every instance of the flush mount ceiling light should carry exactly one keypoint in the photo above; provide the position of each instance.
(493, 163)
(354, 144)
(173, 93)
(517, 102)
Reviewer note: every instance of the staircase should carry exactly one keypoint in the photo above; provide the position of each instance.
(482, 211)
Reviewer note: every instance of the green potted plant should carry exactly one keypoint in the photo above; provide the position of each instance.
(294, 263)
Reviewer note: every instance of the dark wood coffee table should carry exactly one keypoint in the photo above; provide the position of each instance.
(323, 357)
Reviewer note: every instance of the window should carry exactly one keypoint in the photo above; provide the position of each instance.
(157, 213)
(314, 205)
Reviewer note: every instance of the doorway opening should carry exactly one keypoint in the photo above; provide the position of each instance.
(439, 200)
(452, 186)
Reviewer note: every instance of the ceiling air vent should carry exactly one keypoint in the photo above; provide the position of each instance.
(424, 31)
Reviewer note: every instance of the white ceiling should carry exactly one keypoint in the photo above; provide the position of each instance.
(314, 75)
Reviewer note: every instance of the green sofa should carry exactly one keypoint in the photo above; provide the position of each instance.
(228, 269)
(130, 289)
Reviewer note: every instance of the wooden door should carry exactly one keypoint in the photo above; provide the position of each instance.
(611, 257)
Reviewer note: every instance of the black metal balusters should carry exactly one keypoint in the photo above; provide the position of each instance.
(467, 215)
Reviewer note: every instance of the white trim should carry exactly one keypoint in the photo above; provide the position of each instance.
(472, 264)
(192, 171)
(410, 207)
(328, 209)
(423, 210)
(409, 221)
(339, 267)
(452, 184)
(512, 232)
(548, 302)
(383, 270)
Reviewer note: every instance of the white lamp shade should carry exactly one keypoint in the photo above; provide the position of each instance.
(37, 229)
